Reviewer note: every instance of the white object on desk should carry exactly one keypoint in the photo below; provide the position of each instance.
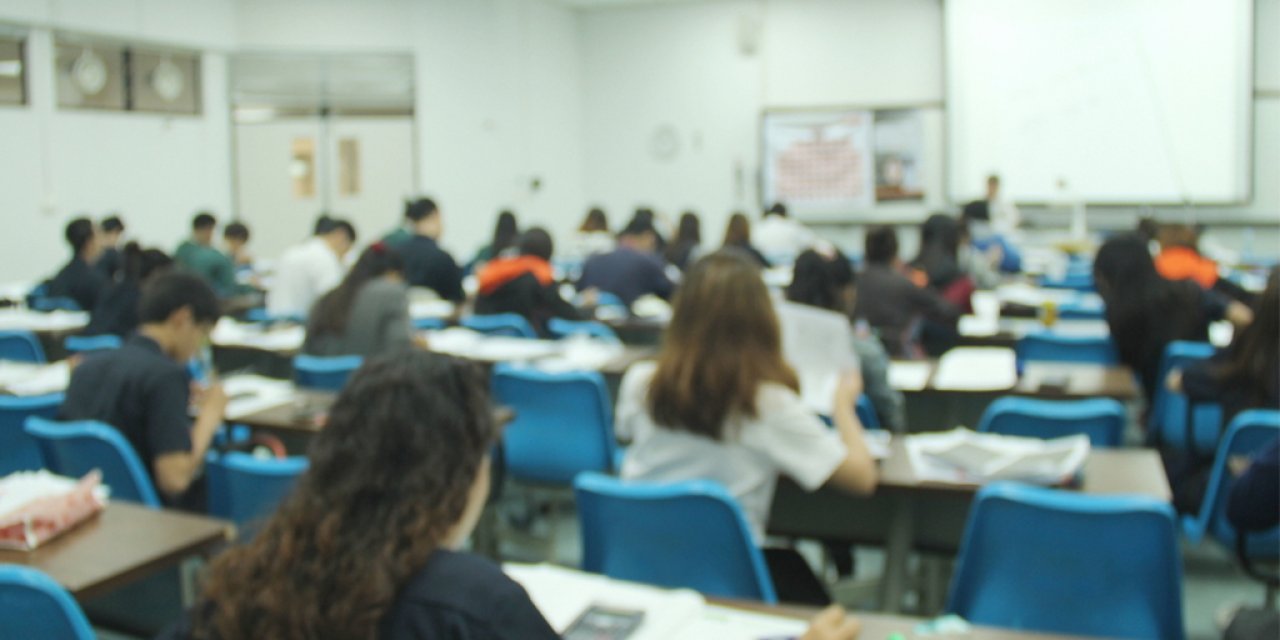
(651, 307)
(976, 369)
(465, 343)
(580, 353)
(907, 375)
(963, 456)
(423, 309)
(34, 379)
(979, 326)
(1221, 333)
(229, 333)
(28, 320)
(248, 394)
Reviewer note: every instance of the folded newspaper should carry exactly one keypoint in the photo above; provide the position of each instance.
(963, 456)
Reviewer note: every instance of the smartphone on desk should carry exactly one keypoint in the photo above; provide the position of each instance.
(604, 623)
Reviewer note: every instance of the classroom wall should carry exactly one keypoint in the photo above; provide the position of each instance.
(155, 170)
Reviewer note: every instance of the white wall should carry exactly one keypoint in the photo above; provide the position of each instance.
(155, 170)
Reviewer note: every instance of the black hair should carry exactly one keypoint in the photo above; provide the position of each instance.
(140, 263)
(595, 221)
(420, 209)
(637, 227)
(112, 224)
(644, 214)
(203, 220)
(688, 237)
(536, 242)
(338, 224)
(778, 209)
(237, 231)
(505, 233)
(78, 234)
(172, 290)
(939, 254)
(976, 210)
(323, 225)
(818, 281)
(333, 309)
(881, 245)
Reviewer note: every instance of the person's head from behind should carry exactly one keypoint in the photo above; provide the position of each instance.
(689, 231)
(738, 232)
(722, 343)
(202, 228)
(505, 232)
(235, 236)
(399, 471)
(881, 245)
(993, 187)
(639, 236)
(140, 264)
(537, 242)
(424, 217)
(595, 222)
(333, 309)
(778, 209)
(83, 239)
(1123, 265)
(111, 229)
(1148, 229)
(340, 235)
(940, 234)
(1179, 236)
(178, 310)
(819, 281)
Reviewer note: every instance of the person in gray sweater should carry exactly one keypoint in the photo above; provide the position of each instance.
(367, 314)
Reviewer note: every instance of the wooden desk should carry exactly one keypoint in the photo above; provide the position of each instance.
(122, 544)
(902, 501)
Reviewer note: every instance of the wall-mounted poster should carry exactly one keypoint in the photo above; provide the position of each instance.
(899, 147)
(819, 159)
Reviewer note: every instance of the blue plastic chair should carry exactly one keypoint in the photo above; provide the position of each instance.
(561, 328)
(55, 303)
(1076, 310)
(1056, 561)
(867, 412)
(1072, 281)
(32, 605)
(246, 490)
(1102, 419)
(688, 534)
(563, 423)
(1249, 432)
(1046, 346)
(500, 324)
(76, 448)
(21, 346)
(1167, 421)
(429, 324)
(324, 373)
(18, 452)
(87, 344)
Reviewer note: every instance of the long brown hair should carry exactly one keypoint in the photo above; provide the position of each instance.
(1253, 359)
(738, 231)
(389, 478)
(722, 344)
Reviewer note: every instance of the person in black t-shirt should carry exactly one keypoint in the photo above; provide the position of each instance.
(111, 261)
(144, 391)
(78, 280)
(425, 263)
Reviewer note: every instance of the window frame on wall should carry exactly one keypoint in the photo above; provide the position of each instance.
(19, 42)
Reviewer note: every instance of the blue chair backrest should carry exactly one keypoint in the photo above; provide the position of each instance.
(246, 490)
(689, 534)
(260, 314)
(21, 346)
(1045, 346)
(1102, 419)
(561, 328)
(867, 412)
(56, 303)
(606, 299)
(324, 373)
(429, 324)
(85, 344)
(501, 324)
(1249, 432)
(1056, 561)
(76, 448)
(32, 605)
(18, 451)
(1081, 311)
(563, 423)
(1167, 419)
(1074, 281)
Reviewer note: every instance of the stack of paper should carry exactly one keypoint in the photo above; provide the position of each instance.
(465, 343)
(963, 456)
(249, 394)
(28, 320)
(32, 379)
(581, 353)
(229, 333)
(976, 369)
(907, 375)
(420, 309)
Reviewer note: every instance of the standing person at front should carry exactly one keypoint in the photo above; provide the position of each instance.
(425, 263)
(78, 280)
(722, 404)
(143, 389)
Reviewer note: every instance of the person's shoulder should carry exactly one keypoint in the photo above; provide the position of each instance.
(381, 290)
(466, 585)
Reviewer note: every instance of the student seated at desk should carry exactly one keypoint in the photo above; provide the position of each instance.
(425, 263)
(505, 234)
(780, 236)
(309, 270)
(78, 280)
(890, 302)
(110, 261)
(737, 236)
(143, 388)
(1146, 312)
(366, 546)
(829, 283)
(686, 247)
(937, 267)
(1180, 259)
(117, 310)
(367, 314)
(630, 271)
(525, 284)
(720, 403)
(593, 236)
(199, 256)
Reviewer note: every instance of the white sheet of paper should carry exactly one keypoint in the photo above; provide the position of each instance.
(976, 369)
(994, 457)
(979, 326)
(818, 344)
(32, 379)
(25, 319)
(420, 309)
(248, 394)
(229, 333)
(907, 375)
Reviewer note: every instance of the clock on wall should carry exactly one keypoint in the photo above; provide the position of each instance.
(664, 145)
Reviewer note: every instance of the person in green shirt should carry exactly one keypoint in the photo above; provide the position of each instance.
(198, 255)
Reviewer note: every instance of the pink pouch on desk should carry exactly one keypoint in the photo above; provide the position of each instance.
(51, 510)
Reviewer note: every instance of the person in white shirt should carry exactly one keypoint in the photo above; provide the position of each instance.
(781, 238)
(311, 269)
(721, 404)
(1005, 217)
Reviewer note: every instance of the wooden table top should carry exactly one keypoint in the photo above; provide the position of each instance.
(122, 544)
(1082, 380)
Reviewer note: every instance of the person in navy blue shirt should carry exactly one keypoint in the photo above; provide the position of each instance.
(630, 271)
(79, 280)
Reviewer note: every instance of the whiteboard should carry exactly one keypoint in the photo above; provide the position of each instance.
(1127, 101)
